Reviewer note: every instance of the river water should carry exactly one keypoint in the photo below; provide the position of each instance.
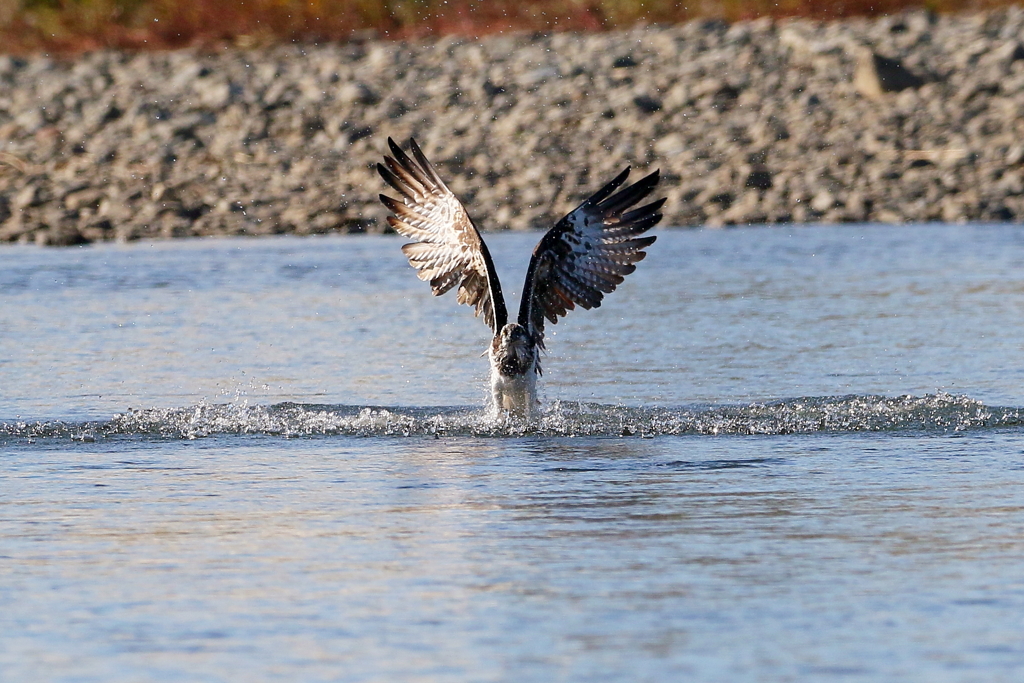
(774, 454)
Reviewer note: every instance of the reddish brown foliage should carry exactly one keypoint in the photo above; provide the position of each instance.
(78, 25)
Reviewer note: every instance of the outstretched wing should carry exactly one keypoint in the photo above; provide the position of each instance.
(447, 250)
(588, 253)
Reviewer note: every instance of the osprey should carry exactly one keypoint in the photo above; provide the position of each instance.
(585, 256)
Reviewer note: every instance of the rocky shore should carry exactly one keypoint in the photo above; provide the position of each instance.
(908, 118)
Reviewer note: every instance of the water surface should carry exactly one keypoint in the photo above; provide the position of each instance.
(773, 454)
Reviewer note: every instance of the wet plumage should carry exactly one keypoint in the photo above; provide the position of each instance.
(585, 256)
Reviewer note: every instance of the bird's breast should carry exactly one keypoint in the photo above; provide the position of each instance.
(513, 360)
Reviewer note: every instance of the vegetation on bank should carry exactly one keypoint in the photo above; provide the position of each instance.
(76, 25)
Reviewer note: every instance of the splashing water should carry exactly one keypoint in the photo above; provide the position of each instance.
(935, 412)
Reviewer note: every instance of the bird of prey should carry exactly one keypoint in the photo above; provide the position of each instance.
(585, 256)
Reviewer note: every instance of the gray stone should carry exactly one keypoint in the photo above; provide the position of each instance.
(877, 75)
(758, 121)
(759, 177)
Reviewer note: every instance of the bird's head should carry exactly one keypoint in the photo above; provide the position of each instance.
(513, 350)
(513, 340)
(514, 335)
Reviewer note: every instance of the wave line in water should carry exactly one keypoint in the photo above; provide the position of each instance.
(931, 413)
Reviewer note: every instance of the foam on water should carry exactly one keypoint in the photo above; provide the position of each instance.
(934, 412)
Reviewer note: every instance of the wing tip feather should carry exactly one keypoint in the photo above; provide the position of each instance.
(447, 250)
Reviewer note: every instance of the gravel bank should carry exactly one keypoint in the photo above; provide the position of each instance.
(909, 118)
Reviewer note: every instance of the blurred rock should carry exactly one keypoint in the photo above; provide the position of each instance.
(877, 75)
(756, 122)
(759, 177)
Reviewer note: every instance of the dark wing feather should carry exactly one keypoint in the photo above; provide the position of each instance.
(447, 250)
(588, 253)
